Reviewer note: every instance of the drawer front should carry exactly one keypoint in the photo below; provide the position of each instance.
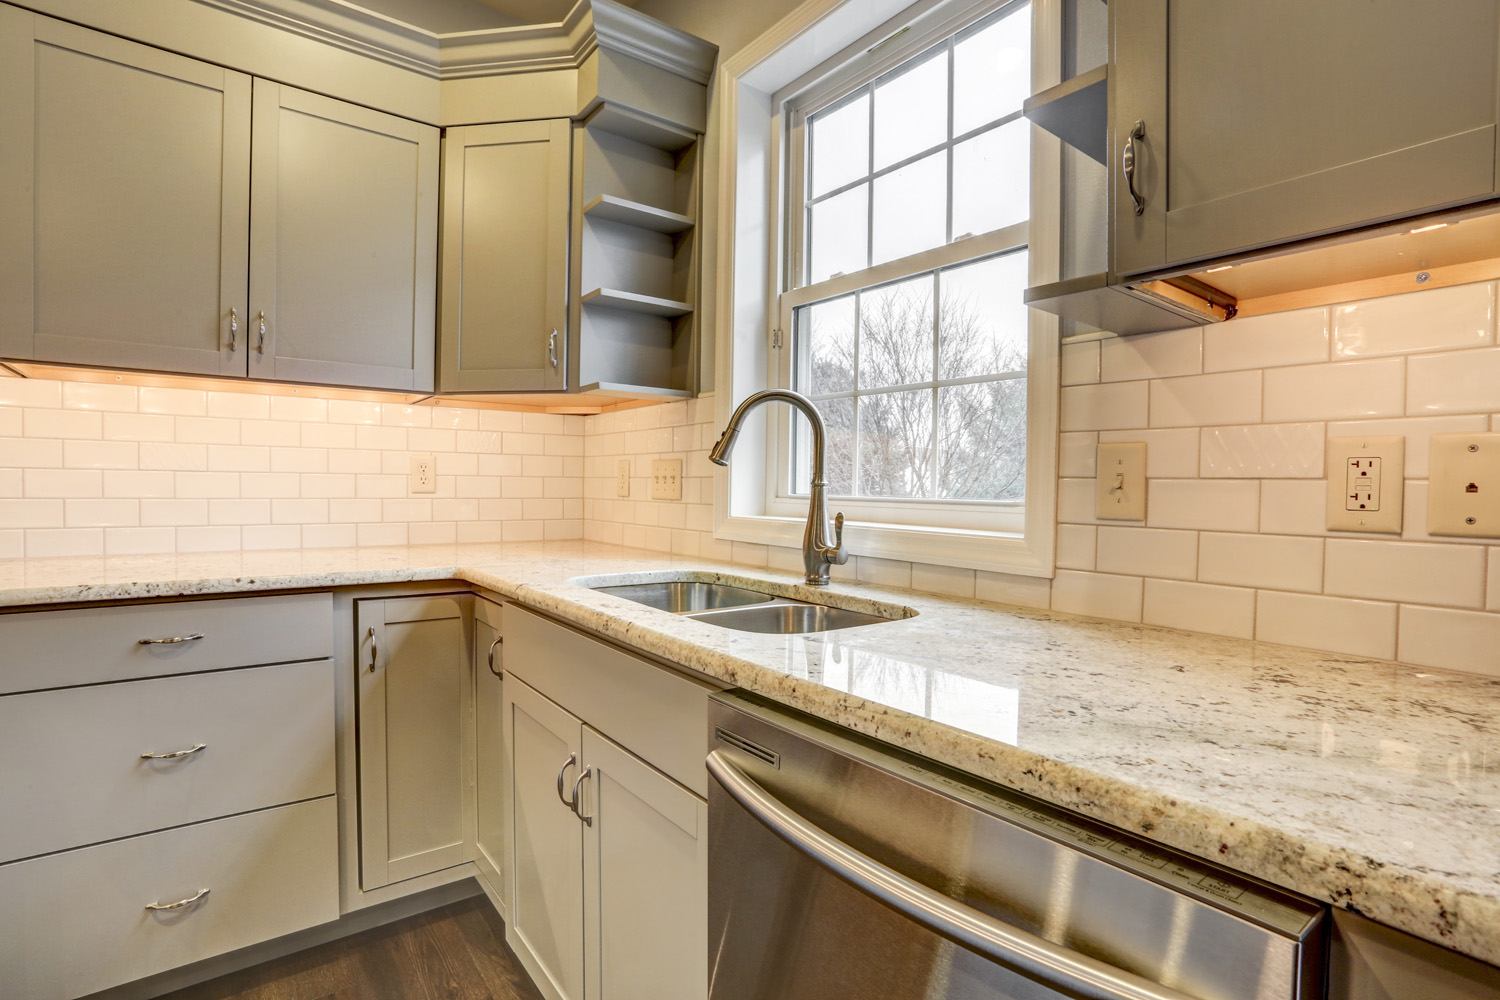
(77, 922)
(47, 649)
(655, 713)
(75, 773)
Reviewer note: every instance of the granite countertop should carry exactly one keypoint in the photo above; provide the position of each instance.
(1365, 783)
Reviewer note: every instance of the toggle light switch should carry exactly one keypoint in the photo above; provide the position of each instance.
(1366, 483)
(1120, 486)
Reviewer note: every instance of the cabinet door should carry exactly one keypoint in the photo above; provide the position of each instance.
(124, 202)
(343, 251)
(505, 257)
(413, 665)
(645, 879)
(1275, 121)
(546, 912)
(491, 759)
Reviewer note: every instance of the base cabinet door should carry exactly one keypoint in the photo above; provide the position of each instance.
(645, 879)
(413, 662)
(492, 755)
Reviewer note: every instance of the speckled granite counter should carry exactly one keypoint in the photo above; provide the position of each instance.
(1365, 783)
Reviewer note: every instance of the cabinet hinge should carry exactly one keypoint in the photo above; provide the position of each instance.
(775, 340)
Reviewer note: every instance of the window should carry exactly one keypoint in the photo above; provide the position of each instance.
(908, 204)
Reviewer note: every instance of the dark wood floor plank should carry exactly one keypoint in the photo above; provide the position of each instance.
(443, 961)
(484, 934)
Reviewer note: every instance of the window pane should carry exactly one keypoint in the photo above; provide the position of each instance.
(839, 141)
(911, 110)
(895, 444)
(982, 441)
(895, 334)
(992, 72)
(838, 241)
(983, 318)
(992, 179)
(909, 207)
(827, 329)
(838, 446)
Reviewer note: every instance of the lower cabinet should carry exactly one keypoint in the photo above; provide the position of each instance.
(414, 685)
(492, 756)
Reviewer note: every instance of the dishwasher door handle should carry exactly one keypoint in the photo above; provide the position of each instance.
(1022, 952)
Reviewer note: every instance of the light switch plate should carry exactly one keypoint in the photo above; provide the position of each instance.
(666, 479)
(1120, 490)
(622, 478)
(1463, 485)
(1366, 483)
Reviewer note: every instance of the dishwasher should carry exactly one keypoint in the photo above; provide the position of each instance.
(842, 868)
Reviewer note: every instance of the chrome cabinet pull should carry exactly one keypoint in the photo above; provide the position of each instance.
(172, 641)
(587, 773)
(234, 327)
(1127, 161)
(260, 345)
(175, 754)
(552, 348)
(374, 649)
(498, 673)
(180, 904)
(572, 760)
(1031, 956)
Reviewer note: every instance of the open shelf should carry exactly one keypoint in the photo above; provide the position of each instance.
(1076, 111)
(634, 213)
(641, 128)
(651, 305)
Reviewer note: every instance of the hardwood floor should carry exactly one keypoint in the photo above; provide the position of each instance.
(456, 952)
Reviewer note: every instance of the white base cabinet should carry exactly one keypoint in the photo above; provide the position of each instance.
(491, 756)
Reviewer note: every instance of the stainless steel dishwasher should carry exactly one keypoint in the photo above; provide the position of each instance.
(841, 868)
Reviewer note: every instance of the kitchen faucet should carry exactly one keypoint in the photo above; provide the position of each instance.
(817, 554)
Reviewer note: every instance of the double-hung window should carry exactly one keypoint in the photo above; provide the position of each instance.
(907, 222)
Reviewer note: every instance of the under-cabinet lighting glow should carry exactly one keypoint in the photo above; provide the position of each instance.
(1221, 267)
(1428, 229)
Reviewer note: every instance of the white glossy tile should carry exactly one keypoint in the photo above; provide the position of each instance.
(50, 543)
(1343, 391)
(239, 405)
(455, 417)
(1207, 504)
(100, 396)
(352, 411)
(329, 536)
(1203, 400)
(380, 438)
(300, 511)
(139, 541)
(301, 408)
(270, 536)
(1148, 552)
(41, 392)
(30, 453)
(1199, 607)
(1291, 338)
(299, 460)
(1101, 407)
(11, 483)
(174, 457)
(63, 483)
(1360, 628)
(102, 513)
(35, 513)
(1076, 546)
(1007, 588)
(139, 427)
(101, 455)
(12, 423)
(1151, 355)
(207, 485)
(388, 534)
(126, 483)
(239, 512)
(431, 439)
(221, 538)
(266, 485)
(1097, 595)
(1454, 640)
(1263, 451)
(1416, 430)
(63, 424)
(1076, 501)
(1450, 575)
(1077, 453)
(1461, 382)
(1278, 562)
(506, 420)
(12, 544)
(1432, 320)
(238, 458)
(177, 402)
(173, 513)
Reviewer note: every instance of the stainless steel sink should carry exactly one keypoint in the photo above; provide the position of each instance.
(789, 618)
(683, 597)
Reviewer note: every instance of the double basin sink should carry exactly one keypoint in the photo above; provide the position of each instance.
(744, 609)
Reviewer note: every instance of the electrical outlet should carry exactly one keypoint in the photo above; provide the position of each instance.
(666, 479)
(1120, 489)
(1463, 487)
(622, 478)
(423, 474)
(1366, 483)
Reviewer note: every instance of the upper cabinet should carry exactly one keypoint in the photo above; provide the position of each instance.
(127, 187)
(1240, 126)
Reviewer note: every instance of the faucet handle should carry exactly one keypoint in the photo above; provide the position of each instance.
(839, 555)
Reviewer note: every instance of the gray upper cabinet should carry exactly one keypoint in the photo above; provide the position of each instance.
(1270, 122)
(343, 243)
(505, 257)
(124, 202)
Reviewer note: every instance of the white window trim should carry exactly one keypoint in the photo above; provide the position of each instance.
(747, 274)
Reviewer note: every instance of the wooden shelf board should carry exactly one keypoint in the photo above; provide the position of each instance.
(1076, 111)
(614, 298)
(634, 213)
(640, 128)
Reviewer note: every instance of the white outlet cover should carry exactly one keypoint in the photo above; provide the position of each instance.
(666, 479)
(1120, 489)
(1463, 485)
(423, 474)
(1366, 483)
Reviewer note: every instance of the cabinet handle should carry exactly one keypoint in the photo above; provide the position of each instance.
(552, 348)
(172, 641)
(234, 327)
(374, 649)
(572, 760)
(1127, 160)
(498, 673)
(180, 904)
(175, 754)
(587, 820)
(260, 345)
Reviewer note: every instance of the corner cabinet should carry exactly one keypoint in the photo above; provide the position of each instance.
(1261, 124)
(139, 230)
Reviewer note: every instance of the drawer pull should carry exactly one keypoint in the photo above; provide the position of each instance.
(571, 804)
(498, 673)
(180, 904)
(171, 641)
(587, 772)
(175, 754)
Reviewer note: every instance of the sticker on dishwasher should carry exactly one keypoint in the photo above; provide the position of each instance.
(1139, 856)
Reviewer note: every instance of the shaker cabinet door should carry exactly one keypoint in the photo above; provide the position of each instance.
(124, 202)
(343, 251)
(505, 257)
(491, 756)
(1270, 122)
